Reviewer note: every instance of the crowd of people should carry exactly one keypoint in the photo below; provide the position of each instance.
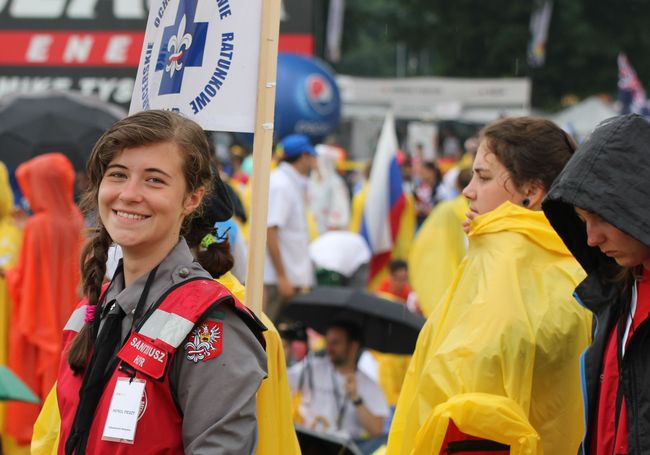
(529, 257)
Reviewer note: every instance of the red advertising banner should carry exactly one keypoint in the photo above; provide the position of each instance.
(94, 46)
(71, 48)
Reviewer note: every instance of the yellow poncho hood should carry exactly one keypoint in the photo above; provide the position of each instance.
(508, 327)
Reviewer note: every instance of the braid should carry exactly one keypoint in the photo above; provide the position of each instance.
(93, 267)
(93, 270)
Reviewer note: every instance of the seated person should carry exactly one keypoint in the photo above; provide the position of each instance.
(335, 396)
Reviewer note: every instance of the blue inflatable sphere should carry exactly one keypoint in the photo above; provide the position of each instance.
(307, 98)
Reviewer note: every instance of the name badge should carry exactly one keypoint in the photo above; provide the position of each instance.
(122, 418)
(143, 354)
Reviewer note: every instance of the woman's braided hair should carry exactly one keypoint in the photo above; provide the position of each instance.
(143, 128)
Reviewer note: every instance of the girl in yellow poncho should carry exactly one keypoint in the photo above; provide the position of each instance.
(499, 356)
(10, 238)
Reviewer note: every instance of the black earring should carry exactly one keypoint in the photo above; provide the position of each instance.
(525, 202)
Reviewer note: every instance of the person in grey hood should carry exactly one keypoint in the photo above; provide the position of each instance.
(599, 207)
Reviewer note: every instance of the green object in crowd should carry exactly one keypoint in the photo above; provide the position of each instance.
(13, 389)
(326, 277)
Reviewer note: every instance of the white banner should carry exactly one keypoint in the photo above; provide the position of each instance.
(435, 98)
(428, 90)
(200, 58)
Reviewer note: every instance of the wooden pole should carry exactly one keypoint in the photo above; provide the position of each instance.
(262, 148)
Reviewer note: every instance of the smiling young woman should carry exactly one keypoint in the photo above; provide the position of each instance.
(142, 202)
(162, 341)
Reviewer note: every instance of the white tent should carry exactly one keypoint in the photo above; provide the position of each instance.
(581, 118)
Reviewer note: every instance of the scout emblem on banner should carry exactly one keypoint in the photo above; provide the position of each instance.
(204, 343)
(200, 58)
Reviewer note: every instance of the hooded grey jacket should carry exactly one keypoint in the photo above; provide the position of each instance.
(609, 175)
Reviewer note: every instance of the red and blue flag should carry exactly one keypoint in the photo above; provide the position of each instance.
(385, 202)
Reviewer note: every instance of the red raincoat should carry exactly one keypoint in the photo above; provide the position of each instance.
(43, 285)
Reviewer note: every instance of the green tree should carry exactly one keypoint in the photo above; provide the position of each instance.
(479, 38)
(369, 45)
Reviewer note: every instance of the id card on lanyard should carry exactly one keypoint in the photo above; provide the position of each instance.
(123, 412)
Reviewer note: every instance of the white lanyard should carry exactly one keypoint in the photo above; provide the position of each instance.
(630, 319)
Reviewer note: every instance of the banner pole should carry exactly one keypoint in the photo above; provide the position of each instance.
(262, 149)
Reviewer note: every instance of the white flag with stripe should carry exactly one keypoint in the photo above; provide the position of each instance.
(200, 58)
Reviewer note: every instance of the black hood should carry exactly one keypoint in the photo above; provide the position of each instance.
(217, 207)
(608, 175)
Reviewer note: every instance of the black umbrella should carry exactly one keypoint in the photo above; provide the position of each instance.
(386, 326)
(35, 123)
(315, 443)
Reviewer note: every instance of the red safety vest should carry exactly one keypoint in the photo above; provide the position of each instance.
(147, 354)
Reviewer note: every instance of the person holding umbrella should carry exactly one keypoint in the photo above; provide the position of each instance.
(335, 396)
(496, 366)
(599, 207)
(162, 359)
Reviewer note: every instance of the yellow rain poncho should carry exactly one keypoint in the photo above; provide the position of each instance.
(509, 329)
(10, 238)
(437, 251)
(45, 440)
(391, 369)
(276, 433)
(358, 203)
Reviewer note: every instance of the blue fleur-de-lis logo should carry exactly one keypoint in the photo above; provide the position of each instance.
(177, 47)
(181, 47)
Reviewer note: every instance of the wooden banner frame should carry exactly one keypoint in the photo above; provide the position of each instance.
(262, 150)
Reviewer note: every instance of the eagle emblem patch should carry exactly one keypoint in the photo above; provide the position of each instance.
(204, 343)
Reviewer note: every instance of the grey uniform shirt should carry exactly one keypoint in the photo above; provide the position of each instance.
(216, 397)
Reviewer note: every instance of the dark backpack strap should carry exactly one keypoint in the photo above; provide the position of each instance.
(469, 447)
